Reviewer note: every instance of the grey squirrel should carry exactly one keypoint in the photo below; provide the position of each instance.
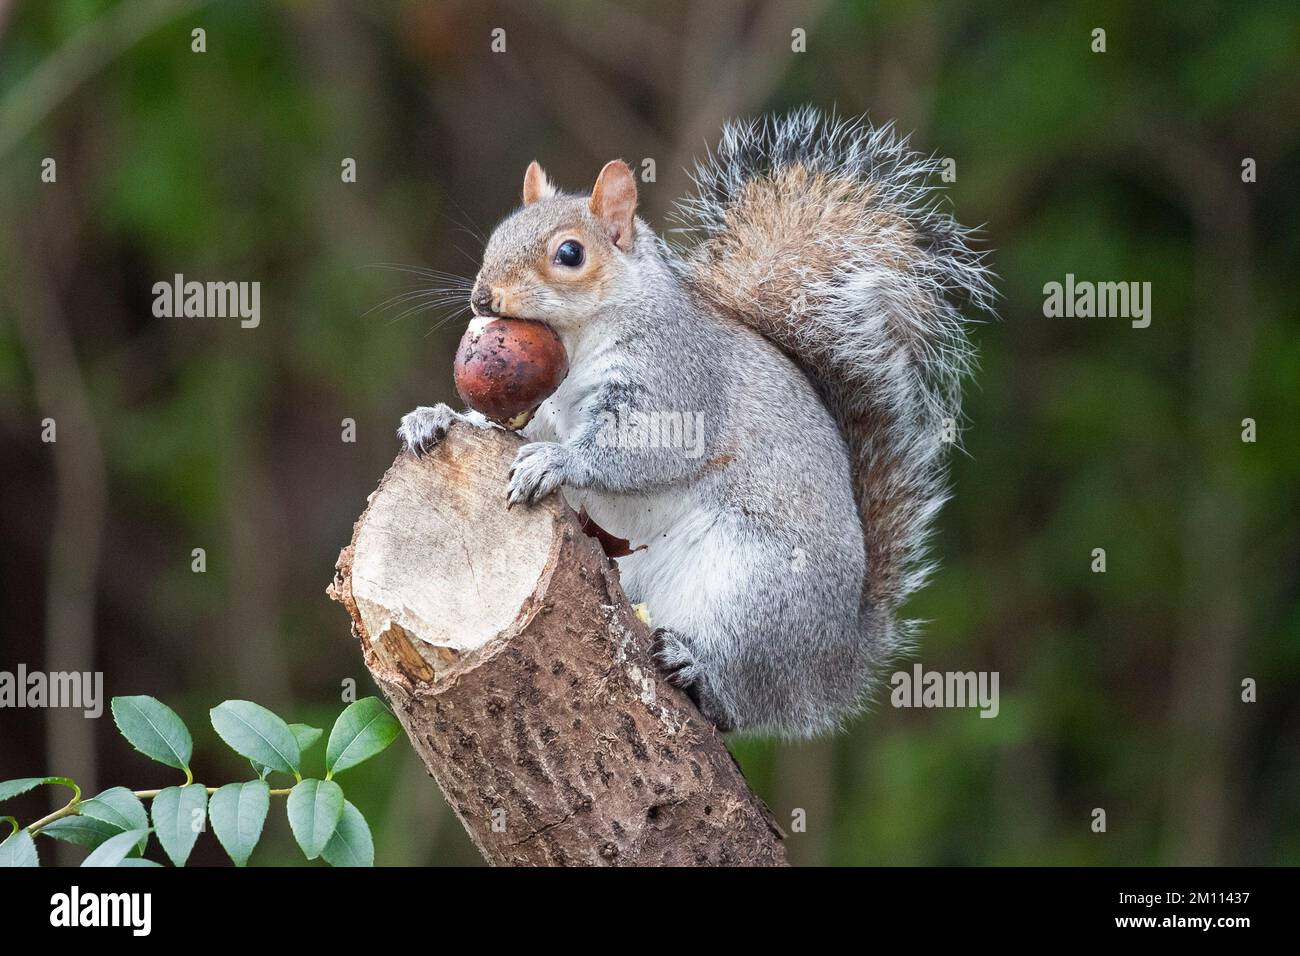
(814, 330)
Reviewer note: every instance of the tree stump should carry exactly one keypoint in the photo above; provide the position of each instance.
(507, 649)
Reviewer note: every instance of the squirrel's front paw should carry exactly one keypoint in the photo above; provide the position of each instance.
(539, 468)
(423, 428)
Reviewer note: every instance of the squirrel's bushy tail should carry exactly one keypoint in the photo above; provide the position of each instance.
(826, 236)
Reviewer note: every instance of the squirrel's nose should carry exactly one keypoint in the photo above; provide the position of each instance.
(484, 300)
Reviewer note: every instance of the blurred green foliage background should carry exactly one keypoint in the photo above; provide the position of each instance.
(1118, 690)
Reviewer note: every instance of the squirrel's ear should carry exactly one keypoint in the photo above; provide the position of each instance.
(536, 185)
(613, 202)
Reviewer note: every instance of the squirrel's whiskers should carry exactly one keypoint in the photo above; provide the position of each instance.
(448, 295)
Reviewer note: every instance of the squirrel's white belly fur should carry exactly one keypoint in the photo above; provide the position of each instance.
(684, 561)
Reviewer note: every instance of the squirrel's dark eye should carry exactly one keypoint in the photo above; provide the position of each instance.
(569, 254)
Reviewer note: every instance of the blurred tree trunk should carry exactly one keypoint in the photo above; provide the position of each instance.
(1214, 604)
(72, 575)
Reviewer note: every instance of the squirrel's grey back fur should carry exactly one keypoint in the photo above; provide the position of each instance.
(827, 236)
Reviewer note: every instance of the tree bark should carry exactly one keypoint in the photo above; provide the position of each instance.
(524, 680)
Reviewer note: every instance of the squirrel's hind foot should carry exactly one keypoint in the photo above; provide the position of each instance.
(680, 667)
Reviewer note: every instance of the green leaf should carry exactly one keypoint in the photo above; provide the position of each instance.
(305, 735)
(138, 861)
(256, 733)
(19, 850)
(315, 807)
(238, 811)
(178, 814)
(351, 844)
(12, 788)
(83, 831)
(154, 729)
(118, 807)
(362, 730)
(116, 848)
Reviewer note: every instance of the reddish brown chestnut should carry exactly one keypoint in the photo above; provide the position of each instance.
(505, 368)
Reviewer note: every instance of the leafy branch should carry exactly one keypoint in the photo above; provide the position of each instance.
(115, 826)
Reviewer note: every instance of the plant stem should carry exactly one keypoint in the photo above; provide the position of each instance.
(67, 811)
(150, 794)
(74, 807)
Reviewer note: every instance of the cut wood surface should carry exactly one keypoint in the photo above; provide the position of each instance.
(523, 678)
